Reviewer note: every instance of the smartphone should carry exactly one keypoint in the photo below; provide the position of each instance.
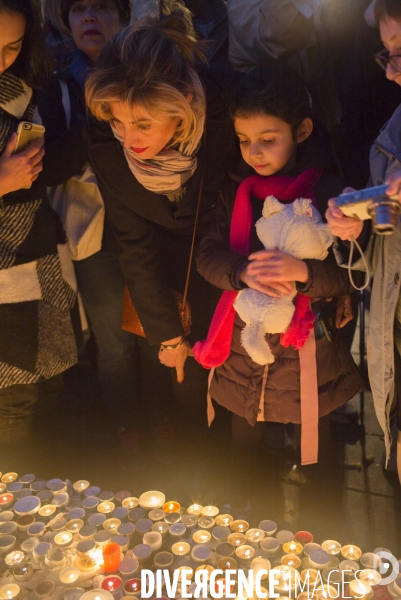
(26, 134)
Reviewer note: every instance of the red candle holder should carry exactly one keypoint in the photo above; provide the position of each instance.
(304, 537)
(133, 587)
(111, 557)
(6, 500)
(220, 586)
(112, 583)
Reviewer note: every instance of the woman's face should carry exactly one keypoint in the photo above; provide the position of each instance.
(146, 137)
(12, 31)
(93, 23)
(390, 33)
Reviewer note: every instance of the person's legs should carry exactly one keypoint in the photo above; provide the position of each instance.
(17, 407)
(101, 284)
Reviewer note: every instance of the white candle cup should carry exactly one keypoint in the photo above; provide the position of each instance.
(74, 593)
(245, 554)
(54, 558)
(63, 539)
(372, 576)
(130, 502)
(74, 525)
(333, 562)
(6, 515)
(195, 509)
(328, 592)
(254, 537)
(7, 543)
(8, 528)
(20, 494)
(349, 565)
(9, 477)
(61, 499)
(69, 576)
(112, 525)
(260, 564)
(96, 520)
(332, 547)
(154, 539)
(210, 511)
(220, 533)
(239, 526)
(97, 595)
(181, 549)
(163, 560)
(201, 536)
(173, 517)
(29, 544)
(44, 589)
(128, 567)
(161, 527)
(122, 540)
(157, 514)
(106, 508)
(185, 569)
(224, 520)
(236, 539)
(201, 553)
(309, 576)
(84, 547)
(284, 536)
(10, 591)
(369, 560)
(14, 558)
(23, 572)
(286, 579)
(206, 523)
(351, 552)
(152, 499)
(47, 511)
(269, 546)
(318, 559)
(360, 590)
(45, 496)
(177, 531)
(397, 585)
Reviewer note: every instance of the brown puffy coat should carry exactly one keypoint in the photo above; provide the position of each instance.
(237, 384)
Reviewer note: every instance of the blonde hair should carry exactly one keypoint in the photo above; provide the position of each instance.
(150, 66)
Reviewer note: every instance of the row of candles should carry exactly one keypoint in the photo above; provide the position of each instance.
(71, 534)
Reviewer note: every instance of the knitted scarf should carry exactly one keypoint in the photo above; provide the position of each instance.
(213, 351)
(170, 169)
(15, 105)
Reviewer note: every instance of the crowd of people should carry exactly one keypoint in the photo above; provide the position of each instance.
(181, 123)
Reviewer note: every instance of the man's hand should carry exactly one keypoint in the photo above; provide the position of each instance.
(340, 225)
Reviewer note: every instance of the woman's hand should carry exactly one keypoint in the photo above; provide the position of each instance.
(274, 289)
(175, 358)
(20, 170)
(340, 225)
(394, 182)
(344, 312)
(268, 266)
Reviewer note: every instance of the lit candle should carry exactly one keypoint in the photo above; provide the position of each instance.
(47, 511)
(351, 552)
(254, 537)
(10, 591)
(22, 572)
(318, 559)
(9, 477)
(74, 525)
(195, 509)
(132, 587)
(221, 587)
(303, 537)
(225, 520)
(152, 499)
(260, 564)
(210, 511)
(327, 592)
(292, 547)
(309, 575)
(269, 546)
(292, 560)
(201, 536)
(201, 553)
(6, 500)
(181, 570)
(106, 507)
(111, 557)
(161, 527)
(111, 525)
(361, 590)
(239, 526)
(80, 486)
(236, 539)
(226, 562)
(63, 539)
(69, 575)
(128, 567)
(44, 589)
(372, 577)
(112, 584)
(331, 547)
(14, 558)
(286, 579)
(245, 554)
(153, 539)
(170, 507)
(163, 560)
(97, 595)
(180, 549)
(130, 502)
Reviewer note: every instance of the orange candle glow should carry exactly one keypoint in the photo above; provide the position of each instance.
(170, 507)
(111, 557)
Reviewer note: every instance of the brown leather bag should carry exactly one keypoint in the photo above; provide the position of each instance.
(131, 321)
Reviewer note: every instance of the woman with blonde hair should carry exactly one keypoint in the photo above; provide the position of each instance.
(166, 129)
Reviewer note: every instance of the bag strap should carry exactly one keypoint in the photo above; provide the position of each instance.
(191, 254)
(65, 99)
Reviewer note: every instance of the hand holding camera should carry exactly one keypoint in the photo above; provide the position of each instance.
(341, 226)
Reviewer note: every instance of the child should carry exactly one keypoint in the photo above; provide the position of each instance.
(273, 121)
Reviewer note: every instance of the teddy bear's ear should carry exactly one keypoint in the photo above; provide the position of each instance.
(271, 206)
(303, 206)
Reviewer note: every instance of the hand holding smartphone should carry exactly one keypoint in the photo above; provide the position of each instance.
(27, 134)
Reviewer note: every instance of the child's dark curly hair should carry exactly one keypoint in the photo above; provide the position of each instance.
(277, 91)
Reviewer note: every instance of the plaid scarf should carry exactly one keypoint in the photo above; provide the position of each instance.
(15, 105)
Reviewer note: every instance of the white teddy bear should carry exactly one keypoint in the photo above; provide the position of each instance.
(296, 229)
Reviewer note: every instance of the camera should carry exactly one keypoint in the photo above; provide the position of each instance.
(372, 203)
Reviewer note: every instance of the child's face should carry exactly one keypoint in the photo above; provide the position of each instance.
(266, 143)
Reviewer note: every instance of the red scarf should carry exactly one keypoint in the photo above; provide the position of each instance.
(213, 351)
